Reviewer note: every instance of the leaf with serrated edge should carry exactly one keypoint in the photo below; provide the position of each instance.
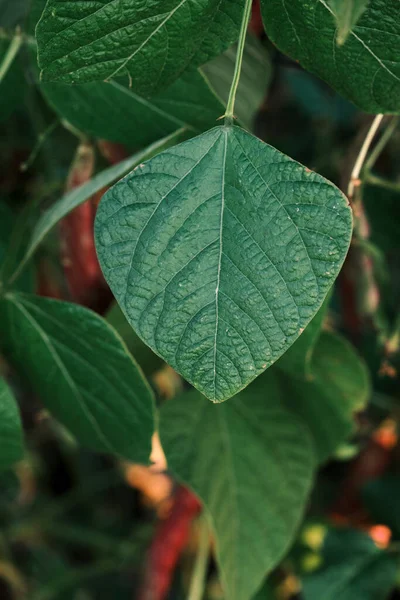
(11, 446)
(220, 251)
(82, 371)
(151, 42)
(251, 463)
(365, 70)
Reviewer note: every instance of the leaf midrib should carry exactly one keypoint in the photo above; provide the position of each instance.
(225, 134)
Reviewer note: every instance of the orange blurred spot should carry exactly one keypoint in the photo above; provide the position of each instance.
(386, 436)
(381, 535)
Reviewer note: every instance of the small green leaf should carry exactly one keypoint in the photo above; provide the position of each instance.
(11, 445)
(353, 569)
(340, 387)
(150, 42)
(251, 463)
(347, 14)
(365, 69)
(121, 115)
(82, 371)
(219, 252)
(254, 78)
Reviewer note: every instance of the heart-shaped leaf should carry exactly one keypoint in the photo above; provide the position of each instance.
(251, 462)
(82, 371)
(152, 42)
(220, 251)
(365, 69)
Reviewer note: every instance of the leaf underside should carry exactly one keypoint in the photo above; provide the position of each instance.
(152, 42)
(220, 251)
(365, 69)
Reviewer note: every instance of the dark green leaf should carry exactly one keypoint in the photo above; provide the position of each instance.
(365, 69)
(354, 569)
(12, 85)
(381, 498)
(254, 78)
(121, 115)
(220, 251)
(12, 248)
(13, 13)
(150, 42)
(339, 388)
(251, 463)
(347, 13)
(82, 371)
(11, 446)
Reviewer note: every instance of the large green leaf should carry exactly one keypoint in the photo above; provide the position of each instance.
(353, 569)
(220, 251)
(340, 387)
(254, 78)
(151, 42)
(365, 69)
(347, 13)
(11, 446)
(251, 462)
(82, 371)
(121, 115)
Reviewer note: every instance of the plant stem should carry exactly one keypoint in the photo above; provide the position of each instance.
(376, 152)
(11, 53)
(197, 583)
(355, 174)
(229, 113)
(381, 182)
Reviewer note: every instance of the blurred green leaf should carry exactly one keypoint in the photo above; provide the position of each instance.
(122, 115)
(353, 569)
(251, 462)
(12, 84)
(82, 371)
(340, 386)
(11, 445)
